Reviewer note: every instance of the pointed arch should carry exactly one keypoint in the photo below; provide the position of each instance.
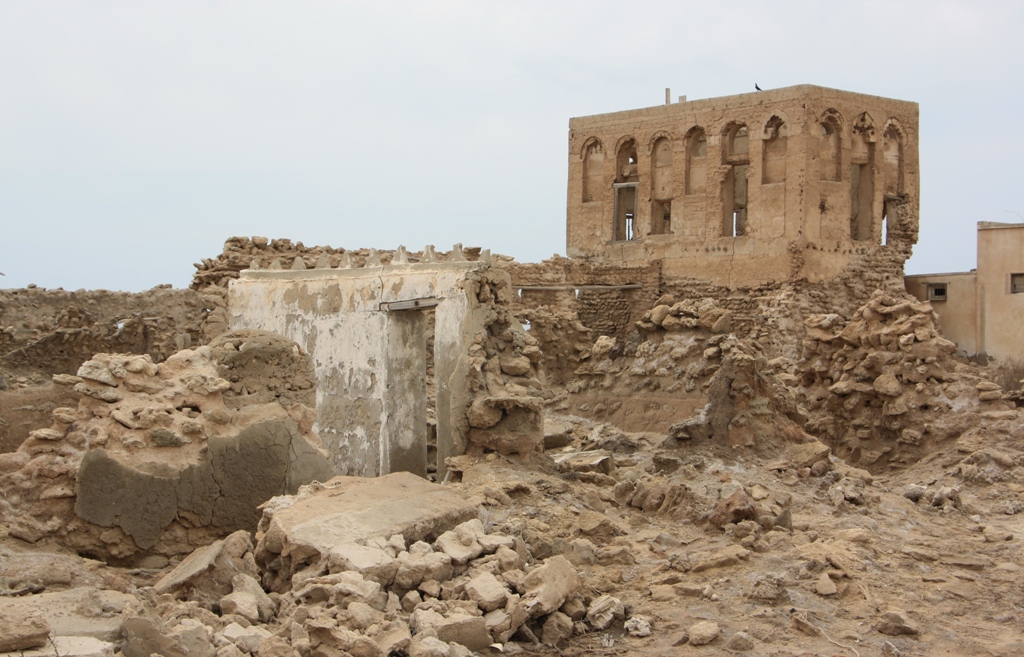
(592, 154)
(696, 160)
(775, 135)
(862, 179)
(830, 149)
(662, 184)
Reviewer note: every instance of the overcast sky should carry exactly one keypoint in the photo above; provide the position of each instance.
(135, 137)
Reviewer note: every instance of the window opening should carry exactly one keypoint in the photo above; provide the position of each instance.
(891, 156)
(734, 192)
(862, 181)
(626, 163)
(1016, 283)
(593, 171)
(696, 162)
(773, 152)
(830, 154)
(936, 291)
(862, 193)
(625, 186)
(662, 189)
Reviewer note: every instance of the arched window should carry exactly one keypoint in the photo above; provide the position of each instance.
(662, 191)
(830, 150)
(892, 153)
(773, 153)
(736, 156)
(626, 162)
(593, 170)
(625, 187)
(696, 161)
(862, 180)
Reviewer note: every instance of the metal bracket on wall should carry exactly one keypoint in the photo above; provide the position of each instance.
(411, 304)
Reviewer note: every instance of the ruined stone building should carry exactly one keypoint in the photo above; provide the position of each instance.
(793, 183)
(982, 310)
(366, 325)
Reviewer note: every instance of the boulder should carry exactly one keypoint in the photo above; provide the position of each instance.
(703, 632)
(22, 629)
(548, 586)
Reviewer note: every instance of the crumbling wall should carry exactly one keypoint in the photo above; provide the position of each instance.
(153, 460)
(505, 378)
(568, 303)
(46, 332)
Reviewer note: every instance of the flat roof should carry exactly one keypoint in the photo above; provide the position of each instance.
(954, 273)
(996, 225)
(749, 99)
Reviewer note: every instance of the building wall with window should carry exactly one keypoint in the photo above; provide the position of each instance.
(982, 310)
(954, 298)
(741, 190)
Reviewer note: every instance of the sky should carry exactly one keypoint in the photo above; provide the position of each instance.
(135, 137)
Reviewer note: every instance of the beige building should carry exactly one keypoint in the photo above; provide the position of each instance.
(740, 190)
(982, 310)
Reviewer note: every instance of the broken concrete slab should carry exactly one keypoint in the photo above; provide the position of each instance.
(304, 529)
(207, 574)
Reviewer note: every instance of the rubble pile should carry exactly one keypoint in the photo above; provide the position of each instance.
(158, 458)
(443, 586)
(885, 388)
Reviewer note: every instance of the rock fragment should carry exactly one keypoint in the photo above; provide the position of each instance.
(703, 632)
(22, 629)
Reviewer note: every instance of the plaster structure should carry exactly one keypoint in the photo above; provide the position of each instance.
(366, 332)
(793, 183)
(982, 310)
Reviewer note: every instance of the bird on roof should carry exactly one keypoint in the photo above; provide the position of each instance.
(757, 87)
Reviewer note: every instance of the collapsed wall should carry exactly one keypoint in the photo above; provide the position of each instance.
(161, 458)
(883, 387)
(46, 332)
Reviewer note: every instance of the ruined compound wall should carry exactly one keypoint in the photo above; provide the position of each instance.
(568, 303)
(807, 149)
(45, 332)
(566, 322)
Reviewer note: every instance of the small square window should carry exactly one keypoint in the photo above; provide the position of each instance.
(1016, 283)
(936, 291)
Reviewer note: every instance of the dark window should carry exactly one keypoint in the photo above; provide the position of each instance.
(936, 291)
(1016, 283)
